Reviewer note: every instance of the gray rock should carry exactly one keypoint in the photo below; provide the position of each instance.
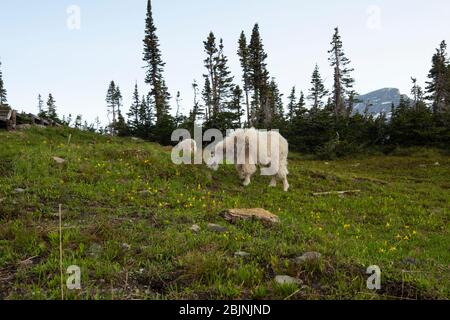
(195, 228)
(126, 246)
(217, 228)
(409, 261)
(23, 127)
(241, 254)
(287, 280)
(19, 190)
(307, 258)
(95, 249)
(59, 160)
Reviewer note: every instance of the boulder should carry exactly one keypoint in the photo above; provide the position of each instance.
(234, 215)
(59, 160)
(287, 280)
(217, 228)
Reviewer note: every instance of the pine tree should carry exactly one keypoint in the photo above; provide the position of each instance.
(51, 108)
(111, 101)
(273, 115)
(343, 82)
(243, 54)
(197, 110)
(225, 80)
(207, 98)
(3, 94)
(218, 79)
(210, 88)
(155, 68)
(118, 99)
(133, 114)
(235, 107)
(41, 112)
(292, 104)
(317, 91)
(146, 118)
(438, 87)
(259, 78)
(417, 94)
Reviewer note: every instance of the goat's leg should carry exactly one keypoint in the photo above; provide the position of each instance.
(273, 182)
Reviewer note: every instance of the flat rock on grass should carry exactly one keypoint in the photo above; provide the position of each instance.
(19, 190)
(195, 228)
(308, 257)
(217, 228)
(59, 160)
(234, 215)
(287, 280)
(241, 254)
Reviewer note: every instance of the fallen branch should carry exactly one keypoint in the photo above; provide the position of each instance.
(317, 194)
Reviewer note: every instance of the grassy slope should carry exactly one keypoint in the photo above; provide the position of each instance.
(131, 244)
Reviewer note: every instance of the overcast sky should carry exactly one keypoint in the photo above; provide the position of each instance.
(42, 50)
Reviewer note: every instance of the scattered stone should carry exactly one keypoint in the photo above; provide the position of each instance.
(217, 228)
(308, 258)
(287, 280)
(136, 139)
(234, 215)
(423, 166)
(59, 160)
(19, 190)
(21, 127)
(95, 249)
(437, 164)
(356, 165)
(409, 261)
(126, 246)
(327, 163)
(195, 228)
(241, 254)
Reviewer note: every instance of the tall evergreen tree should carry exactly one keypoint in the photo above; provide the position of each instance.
(343, 82)
(118, 99)
(210, 87)
(207, 98)
(243, 54)
(273, 115)
(51, 108)
(3, 94)
(197, 110)
(225, 79)
(218, 79)
(438, 87)
(292, 104)
(259, 77)
(41, 112)
(235, 107)
(417, 93)
(111, 101)
(133, 114)
(317, 91)
(154, 69)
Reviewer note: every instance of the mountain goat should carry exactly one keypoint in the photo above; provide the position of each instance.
(249, 149)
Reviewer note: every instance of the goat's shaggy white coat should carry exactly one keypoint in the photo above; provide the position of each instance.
(256, 151)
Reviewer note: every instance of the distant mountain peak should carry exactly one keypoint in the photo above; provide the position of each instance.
(379, 101)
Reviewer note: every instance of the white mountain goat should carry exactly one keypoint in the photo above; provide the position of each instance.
(249, 149)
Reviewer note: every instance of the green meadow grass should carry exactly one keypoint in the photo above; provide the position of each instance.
(127, 213)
